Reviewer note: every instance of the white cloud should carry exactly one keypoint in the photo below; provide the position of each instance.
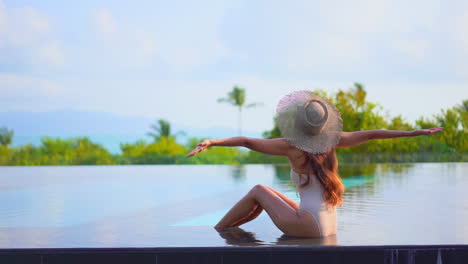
(462, 30)
(2, 16)
(182, 38)
(192, 39)
(413, 48)
(26, 37)
(14, 85)
(104, 22)
(124, 44)
(459, 36)
(50, 53)
(380, 16)
(26, 25)
(342, 34)
(362, 16)
(323, 49)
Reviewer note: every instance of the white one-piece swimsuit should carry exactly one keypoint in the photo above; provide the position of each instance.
(312, 201)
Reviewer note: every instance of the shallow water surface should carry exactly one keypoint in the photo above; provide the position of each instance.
(178, 205)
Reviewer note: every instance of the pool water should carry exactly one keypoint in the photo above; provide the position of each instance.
(178, 205)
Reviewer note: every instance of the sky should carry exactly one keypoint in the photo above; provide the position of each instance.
(174, 59)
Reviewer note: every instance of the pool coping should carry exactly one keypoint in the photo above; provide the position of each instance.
(456, 253)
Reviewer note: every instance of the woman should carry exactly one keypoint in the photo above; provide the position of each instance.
(311, 127)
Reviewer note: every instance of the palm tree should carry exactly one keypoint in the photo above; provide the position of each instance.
(359, 94)
(236, 97)
(6, 136)
(162, 128)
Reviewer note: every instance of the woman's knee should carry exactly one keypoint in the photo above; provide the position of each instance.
(258, 188)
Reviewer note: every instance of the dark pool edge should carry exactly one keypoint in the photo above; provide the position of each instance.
(222, 248)
(242, 254)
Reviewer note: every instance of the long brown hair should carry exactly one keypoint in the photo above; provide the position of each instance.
(325, 167)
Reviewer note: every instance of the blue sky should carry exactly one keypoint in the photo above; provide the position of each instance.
(173, 59)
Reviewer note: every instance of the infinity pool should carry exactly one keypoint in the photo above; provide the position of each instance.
(178, 205)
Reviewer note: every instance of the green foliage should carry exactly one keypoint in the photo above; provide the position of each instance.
(215, 155)
(56, 151)
(87, 152)
(462, 110)
(6, 136)
(142, 153)
(212, 155)
(161, 129)
(5, 155)
(168, 151)
(133, 150)
(454, 137)
(359, 114)
(275, 132)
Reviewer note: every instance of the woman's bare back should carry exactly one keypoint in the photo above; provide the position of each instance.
(297, 159)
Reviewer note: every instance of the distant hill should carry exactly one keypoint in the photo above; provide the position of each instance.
(105, 128)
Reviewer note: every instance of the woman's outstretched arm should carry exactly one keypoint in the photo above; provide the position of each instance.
(349, 139)
(275, 146)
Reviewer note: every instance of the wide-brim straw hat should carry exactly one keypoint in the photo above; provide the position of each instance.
(309, 122)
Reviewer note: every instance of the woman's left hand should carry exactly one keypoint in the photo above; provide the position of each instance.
(200, 147)
(427, 131)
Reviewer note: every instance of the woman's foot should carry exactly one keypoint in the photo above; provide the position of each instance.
(227, 228)
(218, 228)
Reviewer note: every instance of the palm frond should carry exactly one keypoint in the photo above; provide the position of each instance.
(156, 128)
(254, 105)
(226, 100)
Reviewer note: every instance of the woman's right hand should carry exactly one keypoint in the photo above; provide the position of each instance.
(200, 147)
(427, 131)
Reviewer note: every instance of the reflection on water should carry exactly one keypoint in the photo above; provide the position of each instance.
(238, 173)
(346, 171)
(299, 241)
(169, 205)
(351, 170)
(237, 236)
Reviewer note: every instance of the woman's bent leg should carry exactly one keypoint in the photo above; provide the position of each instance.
(283, 215)
(292, 203)
(259, 209)
(255, 213)
(240, 210)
